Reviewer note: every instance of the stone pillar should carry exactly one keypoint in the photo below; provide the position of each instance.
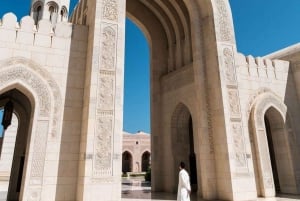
(101, 143)
(231, 142)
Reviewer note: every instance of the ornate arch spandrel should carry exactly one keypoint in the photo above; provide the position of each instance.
(46, 88)
(261, 104)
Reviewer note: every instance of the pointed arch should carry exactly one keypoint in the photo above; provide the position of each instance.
(145, 160)
(127, 161)
(268, 130)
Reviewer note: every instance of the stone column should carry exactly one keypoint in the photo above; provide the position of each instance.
(234, 178)
(101, 143)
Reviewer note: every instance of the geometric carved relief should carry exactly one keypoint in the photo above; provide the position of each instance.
(223, 22)
(239, 145)
(110, 10)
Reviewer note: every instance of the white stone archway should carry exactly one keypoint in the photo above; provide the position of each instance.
(44, 98)
(272, 156)
(193, 48)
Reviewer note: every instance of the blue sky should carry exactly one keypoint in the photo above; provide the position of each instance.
(261, 27)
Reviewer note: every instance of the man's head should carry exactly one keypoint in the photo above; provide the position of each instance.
(181, 165)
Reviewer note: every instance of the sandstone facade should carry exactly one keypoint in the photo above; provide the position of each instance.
(233, 119)
(136, 154)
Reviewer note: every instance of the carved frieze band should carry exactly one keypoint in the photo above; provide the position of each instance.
(110, 10)
(103, 145)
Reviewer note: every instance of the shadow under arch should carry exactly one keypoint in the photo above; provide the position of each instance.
(145, 160)
(19, 161)
(127, 161)
(271, 148)
(183, 144)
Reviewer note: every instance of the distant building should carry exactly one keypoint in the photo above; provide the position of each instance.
(136, 152)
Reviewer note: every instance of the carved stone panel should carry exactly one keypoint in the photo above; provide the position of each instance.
(103, 146)
(239, 145)
(234, 103)
(39, 150)
(108, 50)
(229, 70)
(106, 93)
(110, 10)
(223, 22)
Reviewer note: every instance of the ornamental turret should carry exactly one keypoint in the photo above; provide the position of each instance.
(53, 10)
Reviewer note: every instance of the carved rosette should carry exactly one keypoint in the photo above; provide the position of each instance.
(110, 10)
(223, 22)
(239, 145)
(34, 195)
(103, 145)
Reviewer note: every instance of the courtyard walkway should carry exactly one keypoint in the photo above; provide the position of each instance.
(138, 190)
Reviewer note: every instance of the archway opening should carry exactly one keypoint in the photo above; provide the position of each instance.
(167, 28)
(279, 150)
(272, 154)
(14, 153)
(136, 116)
(126, 162)
(183, 144)
(145, 161)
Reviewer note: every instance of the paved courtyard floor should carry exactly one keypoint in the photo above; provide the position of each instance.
(137, 190)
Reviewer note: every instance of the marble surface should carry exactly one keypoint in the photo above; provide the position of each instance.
(138, 190)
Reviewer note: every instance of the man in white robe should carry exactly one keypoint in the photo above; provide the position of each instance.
(184, 187)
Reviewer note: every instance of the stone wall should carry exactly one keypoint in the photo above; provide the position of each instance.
(57, 56)
(136, 144)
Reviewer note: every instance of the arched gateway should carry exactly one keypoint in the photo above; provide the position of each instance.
(222, 113)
